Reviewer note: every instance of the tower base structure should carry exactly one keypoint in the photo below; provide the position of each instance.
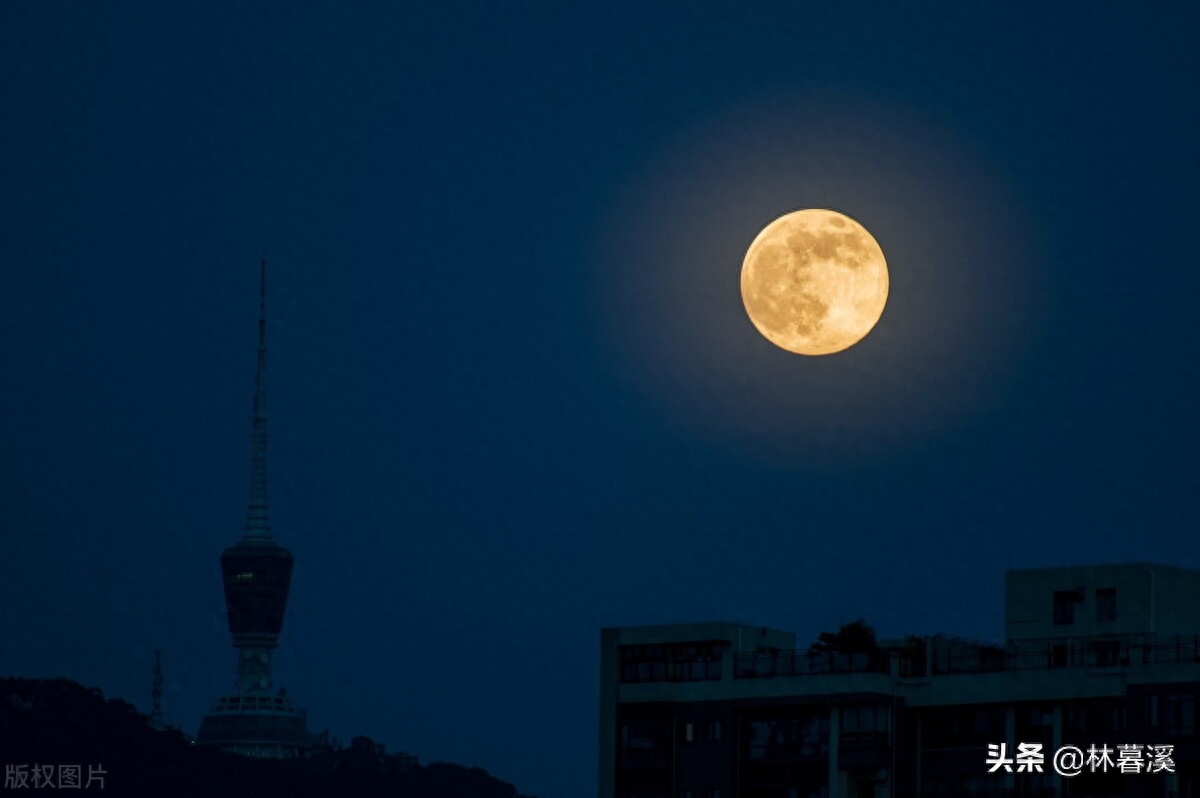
(258, 725)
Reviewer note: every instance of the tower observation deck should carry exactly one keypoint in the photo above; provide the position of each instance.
(257, 573)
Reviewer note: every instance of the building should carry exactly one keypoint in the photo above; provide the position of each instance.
(1104, 655)
(257, 574)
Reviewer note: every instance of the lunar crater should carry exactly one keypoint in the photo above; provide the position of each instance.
(814, 282)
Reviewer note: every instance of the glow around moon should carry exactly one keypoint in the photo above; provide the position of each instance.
(814, 282)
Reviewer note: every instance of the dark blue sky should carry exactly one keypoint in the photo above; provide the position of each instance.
(513, 394)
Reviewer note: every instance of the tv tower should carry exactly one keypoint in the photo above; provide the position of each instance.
(257, 573)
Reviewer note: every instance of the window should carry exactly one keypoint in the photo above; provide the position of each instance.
(1181, 713)
(1106, 605)
(1060, 655)
(676, 662)
(960, 727)
(687, 732)
(1096, 717)
(643, 663)
(1106, 718)
(1038, 717)
(865, 718)
(1106, 653)
(1064, 606)
(799, 737)
(958, 785)
(644, 743)
(714, 731)
(987, 721)
(640, 736)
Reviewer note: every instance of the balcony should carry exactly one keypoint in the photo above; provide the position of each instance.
(1017, 792)
(679, 662)
(1080, 652)
(768, 664)
(1111, 651)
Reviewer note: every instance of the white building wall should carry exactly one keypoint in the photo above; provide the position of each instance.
(1150, 599)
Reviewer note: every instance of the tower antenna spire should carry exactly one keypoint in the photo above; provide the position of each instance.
(257, 526)
(257, 575)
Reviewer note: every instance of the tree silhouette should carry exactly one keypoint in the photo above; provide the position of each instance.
(856, 637)
(61, 722)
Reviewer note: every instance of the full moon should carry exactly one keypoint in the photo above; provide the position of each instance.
(814, 282)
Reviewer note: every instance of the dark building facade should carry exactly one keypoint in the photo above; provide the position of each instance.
(1107, 655)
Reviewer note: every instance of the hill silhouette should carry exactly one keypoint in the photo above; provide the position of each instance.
(59, 722)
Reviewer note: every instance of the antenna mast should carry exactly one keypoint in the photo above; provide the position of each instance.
(257, 527)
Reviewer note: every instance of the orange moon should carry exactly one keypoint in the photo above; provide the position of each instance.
(814, 282)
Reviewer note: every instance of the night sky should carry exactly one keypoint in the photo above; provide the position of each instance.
(513, 393)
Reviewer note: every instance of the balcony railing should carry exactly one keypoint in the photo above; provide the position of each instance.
(688, 670)
(766, 664)
(1080, 652)
(674, 662)
(1032, 792)
(1024, 791)
(1046, 654)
